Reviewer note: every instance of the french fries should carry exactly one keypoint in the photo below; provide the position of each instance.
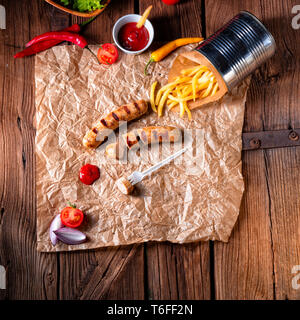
(193, 83)
(144, 17)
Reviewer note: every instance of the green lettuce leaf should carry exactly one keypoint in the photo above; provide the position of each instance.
(84, 5)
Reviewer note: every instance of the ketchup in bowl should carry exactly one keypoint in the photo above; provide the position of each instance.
(132, 38)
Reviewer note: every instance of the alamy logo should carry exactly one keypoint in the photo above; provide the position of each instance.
(296, 19)
(2, 18)
(296, 278)
(2, 277)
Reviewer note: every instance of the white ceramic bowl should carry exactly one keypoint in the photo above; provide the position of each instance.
(132, 18)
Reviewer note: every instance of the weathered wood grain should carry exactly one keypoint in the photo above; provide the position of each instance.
(255, 263)
(281, 110)
(30, 275)
(177, 271)
(109, 273)
(283, 170)
(244, 266)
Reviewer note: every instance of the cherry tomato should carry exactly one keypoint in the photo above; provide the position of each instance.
(71, 217)
(107, 54)
(170, 2)
(89, 173)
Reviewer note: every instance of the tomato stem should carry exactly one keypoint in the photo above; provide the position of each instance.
(72, 205)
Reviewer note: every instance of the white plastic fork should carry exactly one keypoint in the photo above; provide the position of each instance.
(138, 176)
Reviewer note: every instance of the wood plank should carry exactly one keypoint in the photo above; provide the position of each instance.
(281, 105)
(177, 271)
(254, 263)
(283, 170)
(244, 266)
(30, 275)
(109, 273)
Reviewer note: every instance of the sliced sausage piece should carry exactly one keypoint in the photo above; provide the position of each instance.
(149, 135)
(124, 185)
(115, 151)
(104, 126)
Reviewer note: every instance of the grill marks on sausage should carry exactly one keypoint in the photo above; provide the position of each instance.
(155, 137)
(127, 110)
(95, 130)
(137, 106)
(115, 116)
(103, 122)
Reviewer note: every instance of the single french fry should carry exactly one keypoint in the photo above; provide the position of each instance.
(181, 105)
(207, 91)
(196, 77)
(162, 102)
(152, 96)
(185, 99)
(172, 105)
(216, 86)
(181, 113)
(192, 71)
(188, 111)
(144, 17)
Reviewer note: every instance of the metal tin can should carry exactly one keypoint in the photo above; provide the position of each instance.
(238, 48)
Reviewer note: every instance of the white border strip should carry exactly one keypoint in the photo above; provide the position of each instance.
(2, 278)
(2, 18)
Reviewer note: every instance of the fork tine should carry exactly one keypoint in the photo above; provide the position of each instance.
(130, 179)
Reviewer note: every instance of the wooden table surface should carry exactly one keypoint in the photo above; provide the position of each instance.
(264, 247)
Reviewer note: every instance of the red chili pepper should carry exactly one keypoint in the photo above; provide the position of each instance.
(44, 45)
(36, 45)
(74, 28)
(64, 36)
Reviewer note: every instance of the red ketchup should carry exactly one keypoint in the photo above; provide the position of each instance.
(132, 38)
(89, 173)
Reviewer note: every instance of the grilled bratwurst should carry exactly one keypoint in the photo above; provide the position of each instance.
(103, 126)
(149, 135)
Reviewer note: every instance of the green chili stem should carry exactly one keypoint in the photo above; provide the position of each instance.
(83, 24)
(93, 54)
(147, 65)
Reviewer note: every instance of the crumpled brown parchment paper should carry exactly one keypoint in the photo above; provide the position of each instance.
(179, 203)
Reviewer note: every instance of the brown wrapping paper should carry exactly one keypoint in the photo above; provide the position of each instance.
(196, 198)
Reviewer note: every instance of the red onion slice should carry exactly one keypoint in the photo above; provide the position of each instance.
(55, 225)
(70, 236)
